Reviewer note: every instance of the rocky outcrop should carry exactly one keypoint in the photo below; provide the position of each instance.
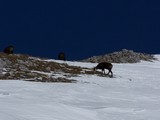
(124, 56)
(25, 67)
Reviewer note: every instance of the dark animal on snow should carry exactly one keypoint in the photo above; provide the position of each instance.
(103, 66)
(61, 56)
(9, 50)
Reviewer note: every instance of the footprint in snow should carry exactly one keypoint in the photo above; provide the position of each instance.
(3, 94)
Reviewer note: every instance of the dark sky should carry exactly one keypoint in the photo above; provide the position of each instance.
(80, 28)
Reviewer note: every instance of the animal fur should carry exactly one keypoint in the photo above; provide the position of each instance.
(103, 66)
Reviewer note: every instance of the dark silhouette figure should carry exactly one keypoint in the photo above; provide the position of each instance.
(61, 56)
(103, 66)
(9, 50)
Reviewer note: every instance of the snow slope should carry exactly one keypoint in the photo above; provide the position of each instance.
(134, 94)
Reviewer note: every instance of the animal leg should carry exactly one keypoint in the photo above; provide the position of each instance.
(103, 71)
(108, 72)
(111, 73)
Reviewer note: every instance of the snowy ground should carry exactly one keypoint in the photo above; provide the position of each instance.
(133, 95)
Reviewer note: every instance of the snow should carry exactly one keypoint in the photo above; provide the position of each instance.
(134, 94)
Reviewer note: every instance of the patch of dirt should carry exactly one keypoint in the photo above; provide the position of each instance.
(25, 67)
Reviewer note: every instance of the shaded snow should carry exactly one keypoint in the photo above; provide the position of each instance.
(132, 95)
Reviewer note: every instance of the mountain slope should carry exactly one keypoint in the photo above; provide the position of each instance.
(17, 66)
(132, 95)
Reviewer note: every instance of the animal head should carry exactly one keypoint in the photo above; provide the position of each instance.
(94, 69)
(61, 56)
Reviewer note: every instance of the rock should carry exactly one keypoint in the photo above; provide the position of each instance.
(124, 56)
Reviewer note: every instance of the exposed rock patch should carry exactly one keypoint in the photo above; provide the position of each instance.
(16, 66)
(124, 56)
